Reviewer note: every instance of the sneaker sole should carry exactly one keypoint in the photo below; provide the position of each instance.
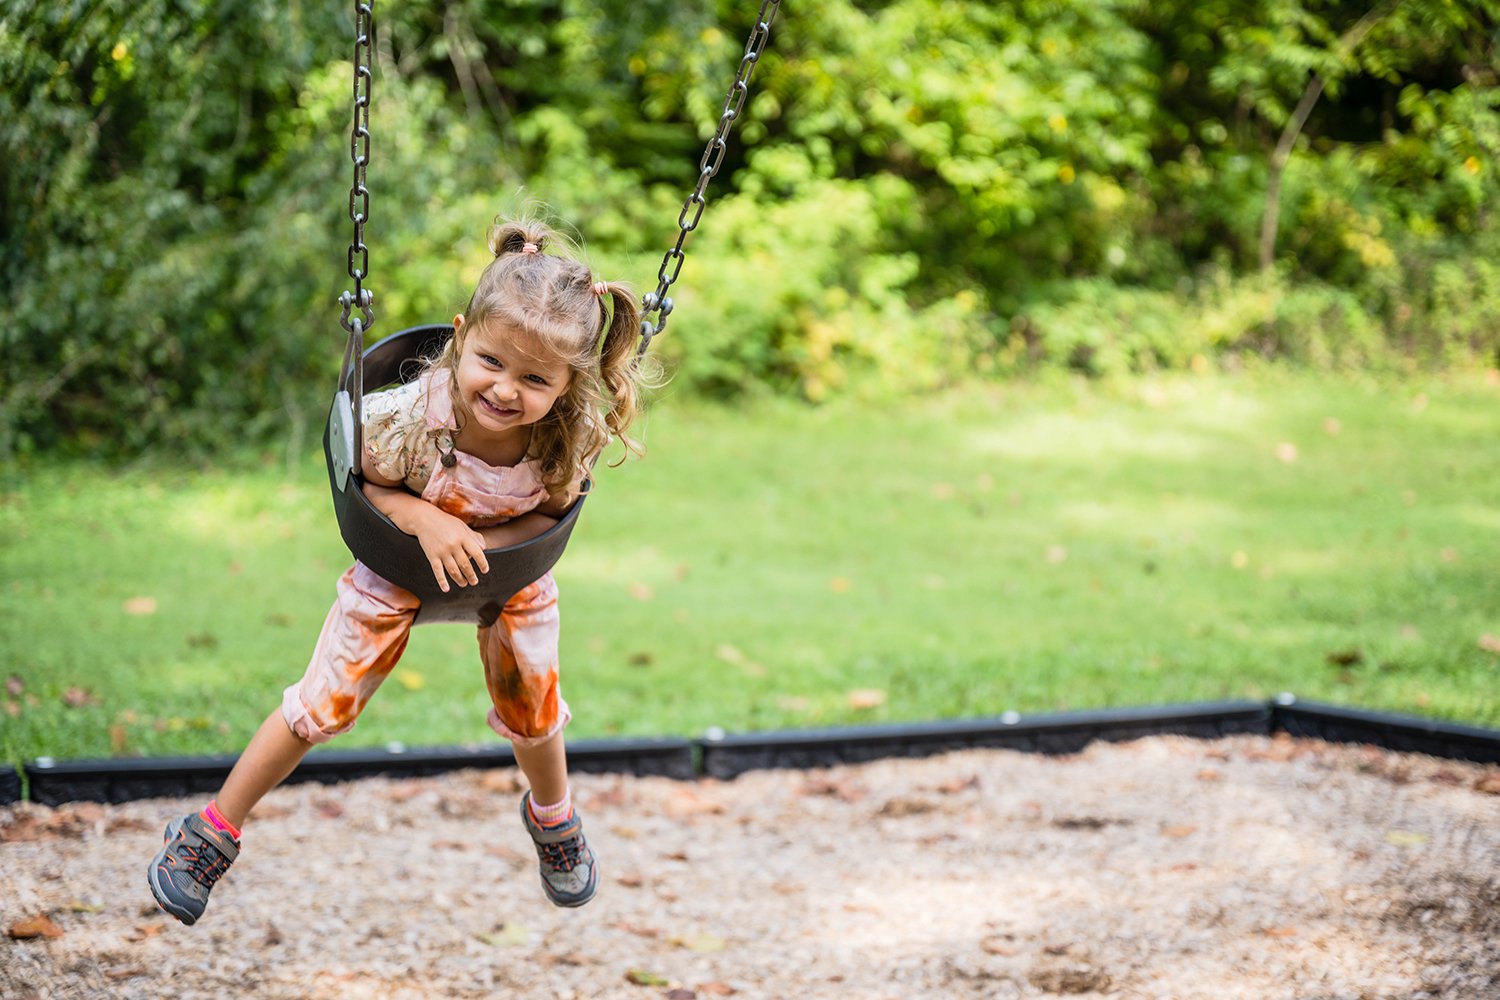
(564, 901)
(163, 902)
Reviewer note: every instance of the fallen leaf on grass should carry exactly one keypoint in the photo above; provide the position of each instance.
(14, 686)
(79, 906)
(643, 978)
(1286, 452)
(411, 680)
(861, 699)
(119, 740)
(840, 584)
(13, 709)
(1490, 643)
(631, 880)
(140, 606)
(641, 591)
(1344, 657)
(77, 697)
(40, 925)
(1057, 554)
(734, 656)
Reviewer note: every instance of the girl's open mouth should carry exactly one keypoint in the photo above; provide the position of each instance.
(497, 410)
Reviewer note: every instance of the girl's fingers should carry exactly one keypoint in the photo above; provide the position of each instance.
(477, 552)
(457, 571)
(437, 571)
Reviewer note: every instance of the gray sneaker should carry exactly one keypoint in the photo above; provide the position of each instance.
(570, 875)
(193, 857)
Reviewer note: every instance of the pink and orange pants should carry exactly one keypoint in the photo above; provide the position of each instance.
(365, 634)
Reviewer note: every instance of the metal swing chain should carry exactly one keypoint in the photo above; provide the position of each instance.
(359, 195)
(713, 157)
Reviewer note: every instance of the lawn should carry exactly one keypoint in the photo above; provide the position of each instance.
(1030, 547)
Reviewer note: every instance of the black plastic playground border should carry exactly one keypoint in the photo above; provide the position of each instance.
(721, 755)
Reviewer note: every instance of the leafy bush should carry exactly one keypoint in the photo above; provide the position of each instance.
(923, 189)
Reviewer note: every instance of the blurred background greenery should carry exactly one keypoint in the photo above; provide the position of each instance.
(923, 189)
(1191, 238)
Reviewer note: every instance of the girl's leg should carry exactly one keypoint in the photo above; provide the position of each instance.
(274, 752)
(546, 768)
(362, 639)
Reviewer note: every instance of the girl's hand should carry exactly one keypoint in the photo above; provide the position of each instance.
(452, 548)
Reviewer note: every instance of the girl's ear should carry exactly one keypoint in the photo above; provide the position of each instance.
(458, 323)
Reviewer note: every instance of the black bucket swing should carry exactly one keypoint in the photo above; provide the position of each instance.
(371, 536)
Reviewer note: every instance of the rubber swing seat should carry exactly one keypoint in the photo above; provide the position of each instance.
(391, 552)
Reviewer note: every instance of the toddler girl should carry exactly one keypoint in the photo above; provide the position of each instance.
(488, 447)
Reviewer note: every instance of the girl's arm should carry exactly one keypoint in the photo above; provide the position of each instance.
(558, 504)
(451, 546)
(516, 530)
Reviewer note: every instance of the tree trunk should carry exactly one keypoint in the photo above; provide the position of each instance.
(1272, 217)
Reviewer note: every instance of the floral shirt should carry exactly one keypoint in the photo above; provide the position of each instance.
(408, 429)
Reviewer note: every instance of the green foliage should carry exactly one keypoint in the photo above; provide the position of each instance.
(918, 187)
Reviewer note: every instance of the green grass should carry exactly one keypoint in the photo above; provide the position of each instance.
(1036, 548)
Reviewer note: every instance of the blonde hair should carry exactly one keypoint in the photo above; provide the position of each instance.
(593, 326)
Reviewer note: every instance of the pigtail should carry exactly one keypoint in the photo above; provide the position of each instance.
(514, 236)
(623, 370)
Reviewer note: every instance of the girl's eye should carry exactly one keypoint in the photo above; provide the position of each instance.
(537, 379)
(489, 360)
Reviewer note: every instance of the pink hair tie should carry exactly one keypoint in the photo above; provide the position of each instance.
(530, 248)
(600, 288)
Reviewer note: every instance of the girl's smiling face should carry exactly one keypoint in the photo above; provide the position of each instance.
(506, 377)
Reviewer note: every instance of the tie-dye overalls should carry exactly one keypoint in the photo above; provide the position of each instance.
(406, 430)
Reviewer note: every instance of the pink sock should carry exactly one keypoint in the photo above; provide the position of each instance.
(215, 819)
(554, 814)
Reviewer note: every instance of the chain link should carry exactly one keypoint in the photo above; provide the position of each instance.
(713, 157)
(359, 195)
